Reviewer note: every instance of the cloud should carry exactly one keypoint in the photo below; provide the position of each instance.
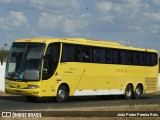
(5, 1)
(34, 34)
(156, 2)
(107, 19)
(51, 6)
(155, 29)
(104, 6)
(48, 21)
(11, 1)
(13, 20)
(73, 24)
(60, 15)
(154, 16)
(130, 15)
(54, 5)
(66, 23)
(122, 6)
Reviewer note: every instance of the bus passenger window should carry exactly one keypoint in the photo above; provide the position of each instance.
(138, 58)
(127, 58)
(147, 59)
(86, 55)
(98, 55)
(108, 56)
(78, 56)
(141, 60)
(115, 57)
(154, 59)
(68, 53)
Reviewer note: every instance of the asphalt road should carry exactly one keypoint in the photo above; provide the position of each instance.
(11, 103)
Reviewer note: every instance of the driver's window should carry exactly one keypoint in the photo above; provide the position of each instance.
(51, 60)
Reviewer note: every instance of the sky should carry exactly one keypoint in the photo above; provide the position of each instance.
(129, 22)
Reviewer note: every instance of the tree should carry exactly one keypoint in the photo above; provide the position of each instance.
(3, 54)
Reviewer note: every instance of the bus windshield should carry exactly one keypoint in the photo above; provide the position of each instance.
(24, 62)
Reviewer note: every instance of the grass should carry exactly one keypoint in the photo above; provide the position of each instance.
(153, 107)
(1, 93)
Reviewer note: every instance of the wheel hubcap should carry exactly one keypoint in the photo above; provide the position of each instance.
(138, 92)
(129, 93)
(61, 94)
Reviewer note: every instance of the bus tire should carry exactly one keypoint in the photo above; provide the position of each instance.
(138, 92)
(129, 92)
(62, 94)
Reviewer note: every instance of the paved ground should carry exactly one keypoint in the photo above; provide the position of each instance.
(8, 103)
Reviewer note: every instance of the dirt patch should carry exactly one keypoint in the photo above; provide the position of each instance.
(4, 94)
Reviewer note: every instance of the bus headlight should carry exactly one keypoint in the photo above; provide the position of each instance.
(33, 86)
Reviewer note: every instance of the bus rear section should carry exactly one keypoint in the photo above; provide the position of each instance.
(97, 70)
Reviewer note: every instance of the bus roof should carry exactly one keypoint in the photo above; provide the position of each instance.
(73, 40)
(83, 42)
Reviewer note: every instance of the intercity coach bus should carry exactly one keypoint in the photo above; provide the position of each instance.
(63, 67)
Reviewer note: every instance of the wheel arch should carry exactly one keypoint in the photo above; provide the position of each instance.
(129, 84)
(66, 86)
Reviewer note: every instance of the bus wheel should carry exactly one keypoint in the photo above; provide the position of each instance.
(128, 92)
(138, 92)
(62, 94)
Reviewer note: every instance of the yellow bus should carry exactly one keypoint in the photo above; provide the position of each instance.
(63, 67)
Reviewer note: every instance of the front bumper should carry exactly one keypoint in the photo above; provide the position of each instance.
(24, 92)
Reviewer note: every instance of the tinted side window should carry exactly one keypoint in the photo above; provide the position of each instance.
(150, 59)
(68, 53)
(76, 53)
(126, 57)
(98, 55)
(115, 57)
(123, 57)
(108, 56)
(82, 53)
(138, 58)
(154, 59)
(87, 54)
(147, 59)
(141, 59)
